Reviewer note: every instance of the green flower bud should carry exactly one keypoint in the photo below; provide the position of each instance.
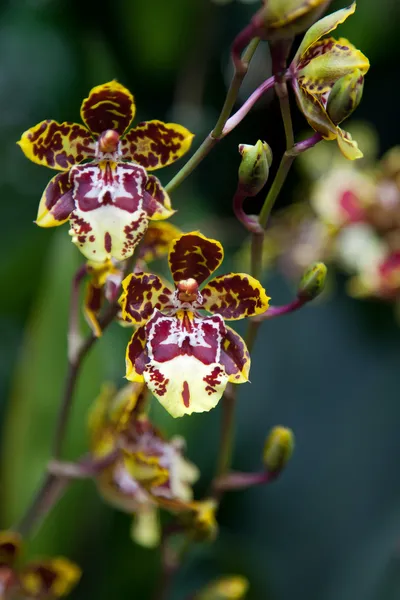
(284, 19)
(345, 96)
(231, 587)
(278, 449)
(254, 167)
(313, 282)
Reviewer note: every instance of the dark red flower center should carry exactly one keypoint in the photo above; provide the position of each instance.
(108, 141)
(187, 290)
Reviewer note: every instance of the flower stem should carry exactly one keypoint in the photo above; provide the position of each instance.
(217, 133)
(54, 485)
(50, 491)
(278, 311)
(227, 431)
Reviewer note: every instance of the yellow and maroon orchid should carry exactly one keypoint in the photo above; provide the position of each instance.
(322, 65)
(149, 472)
(48, 578)
(110, 199)
(105, 278)
(186, 358)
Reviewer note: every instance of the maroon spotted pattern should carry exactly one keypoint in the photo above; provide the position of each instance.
(58, 197)
(48, 143)
(152, 144)
(94, 298)
(155, 189)
(144, 293)
(234, 354)
(194, 257)
(107, 109)
(119, 186)
(316, 49)
(169, 337)
(158, 380)
(237, 298)
(137, 350)
(213, 380)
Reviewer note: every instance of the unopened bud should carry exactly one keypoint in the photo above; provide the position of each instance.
(254, 167)
(345, 96)
(313, 282)
(278, 449)
(283, 20)
(231, 587)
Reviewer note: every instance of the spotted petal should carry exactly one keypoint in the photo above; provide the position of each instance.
(105, 279)
(158, 203)
(321, 28)
(57, 145)
(235, 296)
(109, 106)
(143, 292)
(56, 203)
(235, 357)
(157, 240)
(110, 218)
(194, 256)
(327, 61)
(183, 369)
(136, 355)
(53, 578)
(315, 113)
(154, 144)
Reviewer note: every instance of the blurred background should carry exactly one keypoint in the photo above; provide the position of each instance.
(330, 527)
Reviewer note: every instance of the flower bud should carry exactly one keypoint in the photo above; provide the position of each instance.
(313, 282)
(345, 96)
(283, 20)
(278, 449)
(254, 167)
(230, 587)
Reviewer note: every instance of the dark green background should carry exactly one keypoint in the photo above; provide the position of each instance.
(329, 529)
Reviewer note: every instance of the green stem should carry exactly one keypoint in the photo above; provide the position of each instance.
(192, 163)
(217, 133)
(234, 89)
(227, 432)
(280, 178)
(282, 93)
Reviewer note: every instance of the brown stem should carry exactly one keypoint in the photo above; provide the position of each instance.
(50, 491)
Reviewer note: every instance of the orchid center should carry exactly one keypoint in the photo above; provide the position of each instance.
(109, 141)
(188, 290)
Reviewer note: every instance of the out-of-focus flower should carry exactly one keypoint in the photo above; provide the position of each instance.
(105, 278)
(148, 472)
(375, 268)
(343, 196)
(229, 587)
(323, 66)
(48, 578)
(10, 548)
(110, 199)
(186, 358)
